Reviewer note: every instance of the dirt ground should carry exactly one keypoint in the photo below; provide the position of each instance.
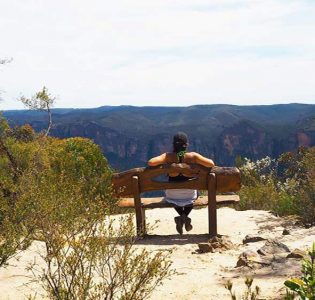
(199, 275)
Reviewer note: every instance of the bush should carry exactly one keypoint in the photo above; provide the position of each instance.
(285, 186)
(99, 262)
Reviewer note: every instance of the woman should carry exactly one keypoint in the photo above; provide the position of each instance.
(182, 198)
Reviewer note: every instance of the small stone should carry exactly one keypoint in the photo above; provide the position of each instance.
(285, 232)
(252, 239)
(242, 262)
(296, 253)
(205, 247)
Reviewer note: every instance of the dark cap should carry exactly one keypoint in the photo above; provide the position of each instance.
(180, 138)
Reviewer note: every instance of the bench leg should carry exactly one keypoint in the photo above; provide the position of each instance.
(140, 220)
(140, 214)
(212, 205)
(143, 222)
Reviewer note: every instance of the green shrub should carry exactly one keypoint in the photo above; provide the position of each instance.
(304, 287)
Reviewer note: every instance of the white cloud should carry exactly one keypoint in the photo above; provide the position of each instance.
(159, 52)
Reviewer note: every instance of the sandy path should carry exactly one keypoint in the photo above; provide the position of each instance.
(200, 276)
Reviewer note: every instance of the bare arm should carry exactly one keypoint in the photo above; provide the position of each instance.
(158, 160)
(204, 161)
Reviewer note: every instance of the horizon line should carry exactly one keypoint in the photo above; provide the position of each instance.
(161, 106)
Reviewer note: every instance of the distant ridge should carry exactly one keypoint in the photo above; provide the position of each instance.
(129, 135)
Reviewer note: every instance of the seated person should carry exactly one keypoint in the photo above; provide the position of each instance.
(182, 198)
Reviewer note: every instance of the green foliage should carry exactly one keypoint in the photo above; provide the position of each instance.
(285, 186)
(304, 286)
(58, 191)
(24, 133)
(249, 293)
(47, 181)
(42, 100)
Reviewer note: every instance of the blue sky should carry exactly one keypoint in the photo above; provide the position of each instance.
(158, 52)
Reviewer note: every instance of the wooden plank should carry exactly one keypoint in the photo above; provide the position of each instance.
(140, 221)
(228, 179)
(212, 207)
(159, 202)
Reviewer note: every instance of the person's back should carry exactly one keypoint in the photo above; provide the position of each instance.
(182, 198)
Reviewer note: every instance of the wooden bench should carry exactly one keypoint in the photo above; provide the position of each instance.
(132, 183)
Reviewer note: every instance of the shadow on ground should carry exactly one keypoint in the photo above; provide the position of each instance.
(173, 239)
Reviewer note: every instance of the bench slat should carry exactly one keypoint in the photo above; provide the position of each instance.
(158, 202)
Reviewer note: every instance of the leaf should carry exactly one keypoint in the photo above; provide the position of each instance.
(294, 284)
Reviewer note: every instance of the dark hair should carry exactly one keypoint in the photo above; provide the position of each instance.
(180, 142)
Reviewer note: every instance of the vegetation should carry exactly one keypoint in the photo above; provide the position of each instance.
(41, 101)
(58, 191)
(285, 186)
(304, 287)
(249, 294)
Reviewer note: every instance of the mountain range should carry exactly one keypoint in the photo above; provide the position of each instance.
(130, 135)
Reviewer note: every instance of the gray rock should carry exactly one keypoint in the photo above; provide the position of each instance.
(252, 239)
(273, 247)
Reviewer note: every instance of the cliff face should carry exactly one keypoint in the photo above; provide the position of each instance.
(129, 136)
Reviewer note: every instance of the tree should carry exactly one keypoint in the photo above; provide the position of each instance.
(41, 101)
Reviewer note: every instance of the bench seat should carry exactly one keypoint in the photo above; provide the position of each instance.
(159, 202)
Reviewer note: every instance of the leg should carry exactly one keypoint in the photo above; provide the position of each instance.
(187, 210)
(186, 219)
(180, 210)
(179, 219)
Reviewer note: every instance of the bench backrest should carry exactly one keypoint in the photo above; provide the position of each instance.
(227, 179)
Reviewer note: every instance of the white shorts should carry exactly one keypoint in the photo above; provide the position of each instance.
(181, 197)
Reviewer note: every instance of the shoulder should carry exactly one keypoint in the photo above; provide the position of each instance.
(158, 160)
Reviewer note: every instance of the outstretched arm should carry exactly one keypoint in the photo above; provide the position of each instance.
(158, 160)
(204, 161)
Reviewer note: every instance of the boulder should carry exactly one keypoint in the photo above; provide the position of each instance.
(252, 259)
(205, 247)
(273, 247)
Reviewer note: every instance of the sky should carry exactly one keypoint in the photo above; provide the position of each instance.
(158, 52)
